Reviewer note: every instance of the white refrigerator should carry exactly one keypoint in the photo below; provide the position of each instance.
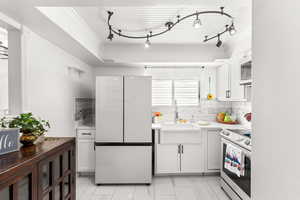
(123, 130)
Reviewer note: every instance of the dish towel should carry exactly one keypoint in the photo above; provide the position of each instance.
(234, 160)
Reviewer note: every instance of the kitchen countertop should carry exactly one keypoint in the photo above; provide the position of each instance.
(212, 125)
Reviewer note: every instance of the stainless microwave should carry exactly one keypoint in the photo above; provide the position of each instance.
(246, 73)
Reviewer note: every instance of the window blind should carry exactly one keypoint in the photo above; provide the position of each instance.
(162, 92)
(186, 92)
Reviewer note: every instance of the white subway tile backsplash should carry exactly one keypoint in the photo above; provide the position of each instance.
(206, 111)
(240, 109)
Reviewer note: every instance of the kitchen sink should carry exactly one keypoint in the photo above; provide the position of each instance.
(178, 126)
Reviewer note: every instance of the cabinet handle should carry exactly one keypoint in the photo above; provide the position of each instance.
(158, 137)
(182, 149)
(86, 133)
(228, 94)
(179, 149)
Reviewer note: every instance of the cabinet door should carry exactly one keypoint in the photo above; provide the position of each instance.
(6, 193)
(223, 81)
(57, 176)
(20, 186)
(237, 90)
(213, 150)
(167, 158)
(191, 158)
(86, 156)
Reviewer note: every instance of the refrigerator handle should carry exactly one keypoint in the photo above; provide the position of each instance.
(179, 148)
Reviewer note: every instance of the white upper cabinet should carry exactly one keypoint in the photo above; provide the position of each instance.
(223, 82)
(229, 77)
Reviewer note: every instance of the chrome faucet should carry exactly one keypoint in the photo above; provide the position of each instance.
(176, 116)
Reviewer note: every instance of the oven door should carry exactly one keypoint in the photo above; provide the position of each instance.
(241, 185)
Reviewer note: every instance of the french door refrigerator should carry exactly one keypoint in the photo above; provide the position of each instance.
(123, 130)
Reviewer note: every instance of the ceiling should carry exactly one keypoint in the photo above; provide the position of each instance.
(139, 20)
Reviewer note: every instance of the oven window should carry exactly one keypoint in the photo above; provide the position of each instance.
(244, 182)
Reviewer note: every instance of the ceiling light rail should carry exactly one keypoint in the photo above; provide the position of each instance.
(170, 25)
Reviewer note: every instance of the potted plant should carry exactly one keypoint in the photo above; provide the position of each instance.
(30, 127)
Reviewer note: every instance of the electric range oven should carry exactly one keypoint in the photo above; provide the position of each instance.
(238, 188)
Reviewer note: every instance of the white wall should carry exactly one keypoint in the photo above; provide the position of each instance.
(114, 69)
(3, 85)
(49, 87)
(276, 94)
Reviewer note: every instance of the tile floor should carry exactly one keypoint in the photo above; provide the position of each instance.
(162, 188)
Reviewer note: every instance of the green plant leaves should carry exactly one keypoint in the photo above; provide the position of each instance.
(27, 123)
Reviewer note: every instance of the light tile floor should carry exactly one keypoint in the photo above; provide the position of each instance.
(162, 188)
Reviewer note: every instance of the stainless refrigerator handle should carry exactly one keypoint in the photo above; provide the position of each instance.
(158, 135)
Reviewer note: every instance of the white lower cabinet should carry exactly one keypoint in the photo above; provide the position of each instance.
(85, 151)
(213, 150)
(191, 158)
(167, 158)
(86, 156)
(188, 152)
(178, 158)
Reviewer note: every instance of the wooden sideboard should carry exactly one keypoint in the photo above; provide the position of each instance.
(41, 172)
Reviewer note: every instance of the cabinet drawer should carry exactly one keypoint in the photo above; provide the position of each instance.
(180, 137)
(86, 134)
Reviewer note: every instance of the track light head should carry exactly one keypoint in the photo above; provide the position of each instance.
(197, 23)
(147, 43)
(232, 29)
(219, 42)
(110, 36)
(206, 38)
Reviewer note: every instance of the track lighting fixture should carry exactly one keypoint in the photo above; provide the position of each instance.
(169, 25)
(219, 42)
(147, 43)
(197, 23)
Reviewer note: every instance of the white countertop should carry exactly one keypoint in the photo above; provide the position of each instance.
(212, 125)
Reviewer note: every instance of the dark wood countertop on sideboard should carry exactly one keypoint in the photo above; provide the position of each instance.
(31, 155)
(43, 171)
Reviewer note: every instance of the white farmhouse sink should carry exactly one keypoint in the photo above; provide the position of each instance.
(178, 127)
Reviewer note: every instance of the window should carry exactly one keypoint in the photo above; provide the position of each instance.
(185, 92)
(162, 92)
